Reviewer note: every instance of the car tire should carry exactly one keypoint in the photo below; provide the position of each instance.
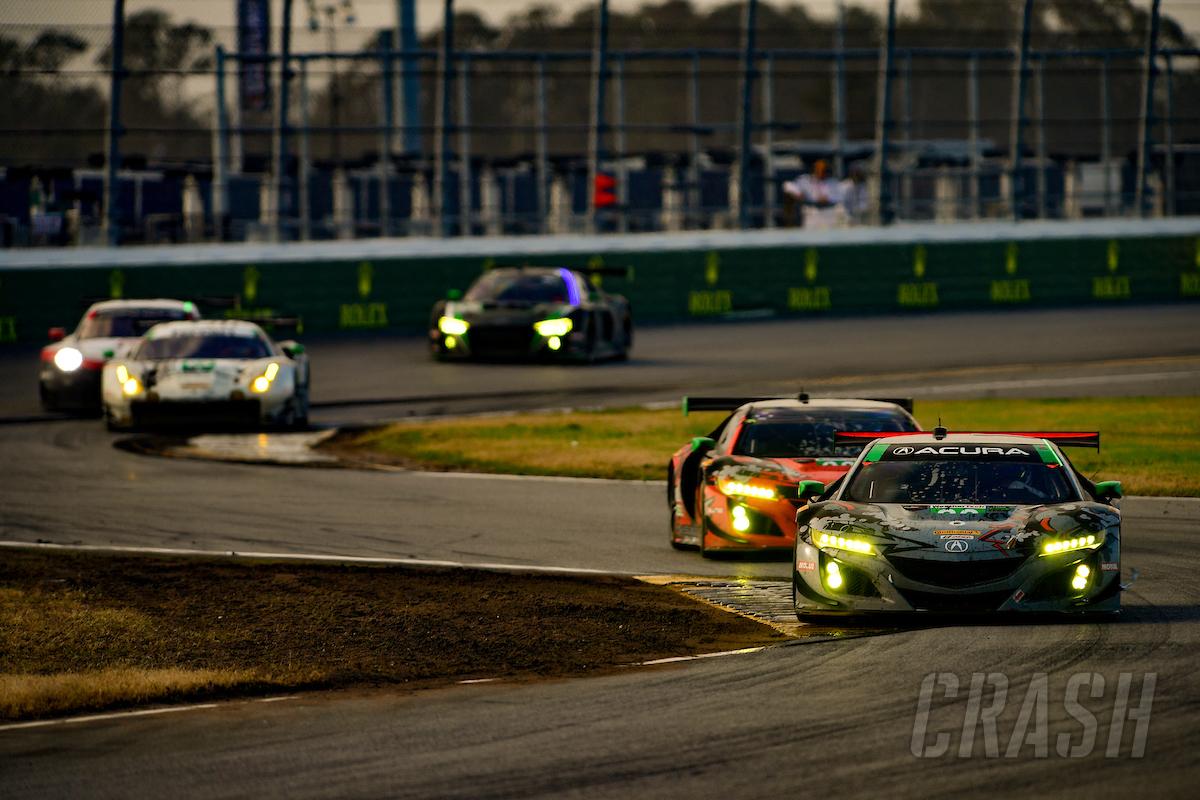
(46, 399)
(678, 545)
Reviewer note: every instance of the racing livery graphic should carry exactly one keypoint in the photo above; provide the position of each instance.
(226, 372)
(959, 522)
(533, 313)
(736, 489)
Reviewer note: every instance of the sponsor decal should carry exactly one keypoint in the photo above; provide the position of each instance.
(1010, 291)
(809, 298)
(956, 546)
(806, 566)
(960, 450)
(716, 301)
(1018, 595)
(956, 534)
(353, 316)
(1110, 566)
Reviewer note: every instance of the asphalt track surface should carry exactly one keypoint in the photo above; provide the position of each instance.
(833, 717)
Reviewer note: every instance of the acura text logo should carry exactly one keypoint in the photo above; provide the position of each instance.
(903, 451)
(956, 546)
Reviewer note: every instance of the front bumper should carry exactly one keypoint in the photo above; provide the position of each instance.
(245, 413)
(772, 523)
(1004, 583)
(76, 391)
(507, 342)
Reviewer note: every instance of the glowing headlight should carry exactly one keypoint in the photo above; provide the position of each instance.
(263, 382)
(453, 326)
(1080, 581)
(741, 519)
(1089, 542)
(823, 539)
(833, 575)
(554, 327)
(739, 489)
(68, 359)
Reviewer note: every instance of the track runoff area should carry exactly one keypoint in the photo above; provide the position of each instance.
(1040, 707)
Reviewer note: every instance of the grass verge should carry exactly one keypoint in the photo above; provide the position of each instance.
(86, 632)
(1151, 444)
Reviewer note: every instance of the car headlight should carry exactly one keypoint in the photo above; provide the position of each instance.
(130, 385)
(453, 326)
(68, 359)
(560, 326)
(263, 382)
(741, 489)
(1091, 541)
(839, 542)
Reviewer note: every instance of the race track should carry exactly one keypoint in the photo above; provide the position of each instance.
(831, 717)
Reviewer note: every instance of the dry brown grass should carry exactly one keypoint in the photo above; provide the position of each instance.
(84, 631)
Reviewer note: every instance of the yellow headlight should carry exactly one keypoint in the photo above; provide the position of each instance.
(740, 489)
(452, 326)
(1089, 542)
(131, 386)
(554, 327)
(833, 540)
(263, 382)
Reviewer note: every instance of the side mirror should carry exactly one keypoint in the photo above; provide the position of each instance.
(807, 490)
(703, 443)
(57, 334)
(453, 294)
(1107, 491)
(291, 349)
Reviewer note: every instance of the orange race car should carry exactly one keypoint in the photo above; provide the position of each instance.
(735, 490)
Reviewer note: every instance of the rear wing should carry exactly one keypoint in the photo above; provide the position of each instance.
(1061, 438)
(730, 403)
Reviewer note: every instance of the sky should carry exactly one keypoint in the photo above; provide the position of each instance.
(374, 14)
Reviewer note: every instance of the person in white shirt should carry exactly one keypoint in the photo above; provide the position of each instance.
(819, 196)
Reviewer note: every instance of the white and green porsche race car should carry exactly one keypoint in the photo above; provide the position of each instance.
(209, 373)
(959, 522)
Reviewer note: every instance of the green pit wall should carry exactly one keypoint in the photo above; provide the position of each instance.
(334, 288)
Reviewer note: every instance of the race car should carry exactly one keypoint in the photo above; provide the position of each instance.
(532, 313)
(219, 372)
(69, 377)
(959, 522)
(735, 489)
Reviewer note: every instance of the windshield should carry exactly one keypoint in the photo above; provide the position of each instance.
(935, 482)
(128, 323)
(203, 346)
(797, 433)
(511, 287)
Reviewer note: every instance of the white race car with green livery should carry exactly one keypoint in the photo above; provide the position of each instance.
(959, 522)
(225, 373)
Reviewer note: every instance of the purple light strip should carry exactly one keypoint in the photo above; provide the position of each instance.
(572, 288)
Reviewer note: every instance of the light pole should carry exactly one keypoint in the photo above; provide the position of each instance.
(112, 195)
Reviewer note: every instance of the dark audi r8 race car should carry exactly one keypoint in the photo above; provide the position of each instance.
(69, 378)
(960, 522)
(735, 490)
(532, 313)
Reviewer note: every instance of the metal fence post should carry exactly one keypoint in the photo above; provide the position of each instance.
(220, 199)
(1169, 135)
(543, 148)
(410, 80)
(386, 67)
(1146, 120)
(839, 92)
(694, 194)
(1017, 139)
(905, 201)
(445, 79)
(746, 118)
(112, 194)
(973, 132)
(281, 124)
(1106, 133)
(883, 117)
(305, 165)
(1040, 106)
(464, 146)
(768, 101)
(619, 134)
(597, 129)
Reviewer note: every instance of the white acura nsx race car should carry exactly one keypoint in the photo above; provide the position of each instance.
(224, 373)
